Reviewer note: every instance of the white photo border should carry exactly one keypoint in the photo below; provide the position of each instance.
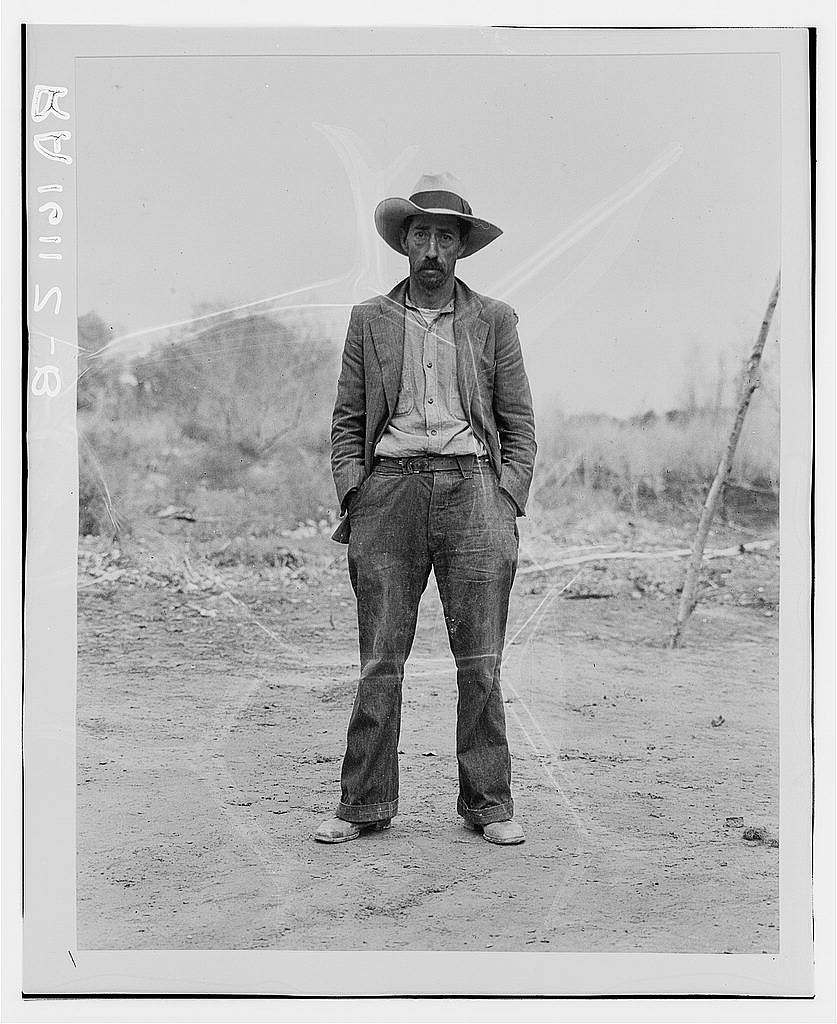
(49, 724)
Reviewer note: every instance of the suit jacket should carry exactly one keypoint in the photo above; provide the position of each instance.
(493, 387)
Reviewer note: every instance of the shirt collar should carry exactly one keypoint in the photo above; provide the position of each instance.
(436, 312)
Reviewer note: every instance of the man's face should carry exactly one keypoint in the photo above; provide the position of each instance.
(433, 244)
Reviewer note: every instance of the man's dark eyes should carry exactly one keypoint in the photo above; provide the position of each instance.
(447, 239)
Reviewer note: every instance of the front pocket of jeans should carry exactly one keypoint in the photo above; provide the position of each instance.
(358, 498)
(509, 504)
(362, 497)
(505, 501)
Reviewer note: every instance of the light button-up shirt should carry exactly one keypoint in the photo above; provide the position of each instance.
(429, 418)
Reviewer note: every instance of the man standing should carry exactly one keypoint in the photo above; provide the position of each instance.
(433, 447)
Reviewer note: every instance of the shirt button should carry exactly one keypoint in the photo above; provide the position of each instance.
(433, 432)
(430, 401)
(429, 365)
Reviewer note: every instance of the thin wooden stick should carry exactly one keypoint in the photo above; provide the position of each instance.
(650, 556)
(750, 382)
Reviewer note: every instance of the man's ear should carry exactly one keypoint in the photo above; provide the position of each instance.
(402, 234)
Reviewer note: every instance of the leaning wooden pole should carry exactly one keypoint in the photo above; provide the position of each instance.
(749, 384)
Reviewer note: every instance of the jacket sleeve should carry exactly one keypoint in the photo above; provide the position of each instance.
(348, 422)
(513, 413)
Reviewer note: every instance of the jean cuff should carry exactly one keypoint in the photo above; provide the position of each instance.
(485, 815)
(361, 813)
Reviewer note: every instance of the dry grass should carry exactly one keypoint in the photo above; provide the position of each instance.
(251, 458)
(646, 461)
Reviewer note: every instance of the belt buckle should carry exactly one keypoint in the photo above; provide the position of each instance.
(415, 465)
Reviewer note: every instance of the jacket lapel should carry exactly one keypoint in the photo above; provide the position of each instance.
(469, 332)
(388, 336)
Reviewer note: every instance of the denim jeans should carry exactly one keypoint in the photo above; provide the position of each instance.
(461, 525)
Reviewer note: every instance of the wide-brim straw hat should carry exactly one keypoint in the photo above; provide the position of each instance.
(433, 193)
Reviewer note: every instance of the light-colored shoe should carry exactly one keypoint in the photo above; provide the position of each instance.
(335, 830)
(503, 833)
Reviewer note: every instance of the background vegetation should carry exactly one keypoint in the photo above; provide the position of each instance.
(226, 428)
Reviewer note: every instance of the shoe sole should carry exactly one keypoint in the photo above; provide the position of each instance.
(504, 842)
(377, 826)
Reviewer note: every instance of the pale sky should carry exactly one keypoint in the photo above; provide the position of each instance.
(208, 180)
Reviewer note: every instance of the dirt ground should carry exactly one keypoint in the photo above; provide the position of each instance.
(211, 722)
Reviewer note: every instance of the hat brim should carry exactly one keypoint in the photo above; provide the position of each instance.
(390, 215)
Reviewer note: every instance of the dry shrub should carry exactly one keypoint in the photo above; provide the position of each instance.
(241, 407)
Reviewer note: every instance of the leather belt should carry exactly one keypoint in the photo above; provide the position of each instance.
(429, 463)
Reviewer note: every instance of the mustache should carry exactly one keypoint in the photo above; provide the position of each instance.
(430, 266)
